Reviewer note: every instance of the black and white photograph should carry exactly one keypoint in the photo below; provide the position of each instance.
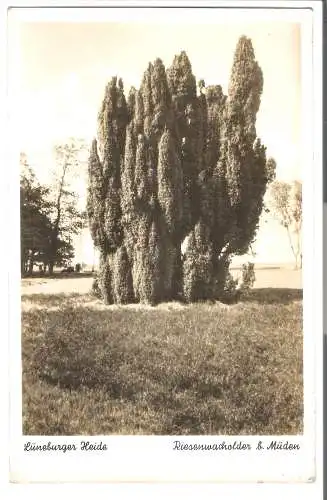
(161, 160)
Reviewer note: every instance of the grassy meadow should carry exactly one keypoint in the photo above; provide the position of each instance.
(173, 369)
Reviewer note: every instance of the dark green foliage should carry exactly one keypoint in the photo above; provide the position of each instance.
(215, 100)
(122, 278)
(170, 184)
(254, 191)
(213, 205)
(112, 122)
(95, 288)
(139, 113)
(65, 252)
(140, 251)
(244, 160)
(236, 175)
(188, 125)
(128, 191)
(181, 82)
(105, 162)
(151, 285)
(198, 265)
(172, 165)
(131, 102)
(142, 223)
(248, 277)
(150, 178)
(224, 286)
(160, 94)
(141, 172)
(229, 290)
(35, 224)
(95, 199)
(112, 216)
(170, 199)
(271, 170)
(147, 99)
(105, 279)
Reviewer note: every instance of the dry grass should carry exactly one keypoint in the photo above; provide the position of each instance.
(173, 369)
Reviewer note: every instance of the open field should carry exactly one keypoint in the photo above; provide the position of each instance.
(173, 369)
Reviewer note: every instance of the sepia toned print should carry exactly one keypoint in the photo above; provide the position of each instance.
(161, 229)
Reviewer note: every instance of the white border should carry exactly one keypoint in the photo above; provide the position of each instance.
(312, 314)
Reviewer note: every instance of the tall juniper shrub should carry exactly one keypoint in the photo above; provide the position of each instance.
(175, 167)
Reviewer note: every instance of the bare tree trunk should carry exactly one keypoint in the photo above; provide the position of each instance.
(292, 247)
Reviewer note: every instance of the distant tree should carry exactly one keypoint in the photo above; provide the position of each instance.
(286, 206)
(35, 226)
(66, 218)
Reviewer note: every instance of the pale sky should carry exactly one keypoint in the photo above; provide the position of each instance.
(65, 66)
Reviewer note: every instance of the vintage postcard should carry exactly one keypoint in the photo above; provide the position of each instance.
(165, 297)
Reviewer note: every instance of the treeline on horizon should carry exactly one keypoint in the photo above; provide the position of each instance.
(49, 214)
(176, 163)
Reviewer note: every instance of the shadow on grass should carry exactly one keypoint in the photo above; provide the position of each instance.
(273, 295)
